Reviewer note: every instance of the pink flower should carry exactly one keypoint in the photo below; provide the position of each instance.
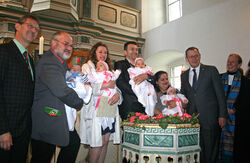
(143, 117)
(132, 119)
(187, 115)
(159, 116)
(138, 114)
(176, 115)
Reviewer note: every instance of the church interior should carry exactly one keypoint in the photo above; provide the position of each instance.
(163, 30)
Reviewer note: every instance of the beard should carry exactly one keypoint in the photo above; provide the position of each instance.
(65, 55)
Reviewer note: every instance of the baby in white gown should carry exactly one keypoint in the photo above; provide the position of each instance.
(103, 75)
(144, 91)
(177, 97)
(76, 81)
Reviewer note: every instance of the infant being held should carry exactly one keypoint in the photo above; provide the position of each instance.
(177, 97)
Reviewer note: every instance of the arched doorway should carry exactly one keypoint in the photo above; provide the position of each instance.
(171, 61)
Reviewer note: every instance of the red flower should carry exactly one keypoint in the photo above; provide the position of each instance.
(187, 115)
(132, 119)
(176, 115)
(159, 116)
(162, 120)
(143, 117)
(138, 114)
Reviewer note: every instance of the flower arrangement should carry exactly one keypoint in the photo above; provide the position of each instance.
(162, 120)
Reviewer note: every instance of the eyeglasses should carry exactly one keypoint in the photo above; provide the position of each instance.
(193, 56)
(64, 43)
(30, 26)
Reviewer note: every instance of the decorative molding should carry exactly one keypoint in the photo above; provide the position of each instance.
(82, 27)
(85, 39)
(132, 138)
(106, 13)
(11, 27)
(187, 140)
(158, 152)
(74, 3)
(86, 8)
(158, 140)
(122, 6)
(176, 142)
(128, 19)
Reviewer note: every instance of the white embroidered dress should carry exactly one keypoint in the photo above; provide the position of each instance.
(90, 125)
(145, 91)
(178, 98)
(76, 81)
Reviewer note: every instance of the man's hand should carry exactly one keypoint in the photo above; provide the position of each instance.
(230, 111)
(114, 99)
(222, 122)
(6, 141)
(140, 78)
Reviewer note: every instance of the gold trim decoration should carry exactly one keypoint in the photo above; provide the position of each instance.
(157, 126)
(159, 157)
(146, 156)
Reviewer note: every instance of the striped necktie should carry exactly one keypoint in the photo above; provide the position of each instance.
(27, 60)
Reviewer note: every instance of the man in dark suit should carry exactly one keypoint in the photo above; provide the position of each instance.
(17, 91)
(49, 119)
(202, 85)
(130, 102)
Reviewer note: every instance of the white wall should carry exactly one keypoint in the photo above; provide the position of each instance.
(216, 30)
(191, 6)
(153, 14)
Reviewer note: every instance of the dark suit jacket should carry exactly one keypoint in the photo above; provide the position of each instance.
(208, 99)
(130, 102)
(16, 91)
(52, 91)
(242, 122)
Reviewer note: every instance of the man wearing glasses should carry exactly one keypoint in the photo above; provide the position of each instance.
(202, 85)
(17, 91)
(49, 119)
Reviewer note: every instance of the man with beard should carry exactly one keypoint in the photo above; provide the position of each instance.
(49, 119)
(17, 91)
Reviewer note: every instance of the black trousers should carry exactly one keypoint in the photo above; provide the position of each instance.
(18, 152)
(42, 152)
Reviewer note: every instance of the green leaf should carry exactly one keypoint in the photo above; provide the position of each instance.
(163, 125)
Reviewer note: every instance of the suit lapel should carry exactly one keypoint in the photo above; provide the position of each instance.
(186, 78)
(19, 58)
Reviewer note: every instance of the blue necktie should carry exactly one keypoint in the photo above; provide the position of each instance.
(194, 80)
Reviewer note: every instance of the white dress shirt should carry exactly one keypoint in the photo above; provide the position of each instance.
(191, 74)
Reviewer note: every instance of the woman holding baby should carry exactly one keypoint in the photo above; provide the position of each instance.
(163, 89)
(97, 131)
